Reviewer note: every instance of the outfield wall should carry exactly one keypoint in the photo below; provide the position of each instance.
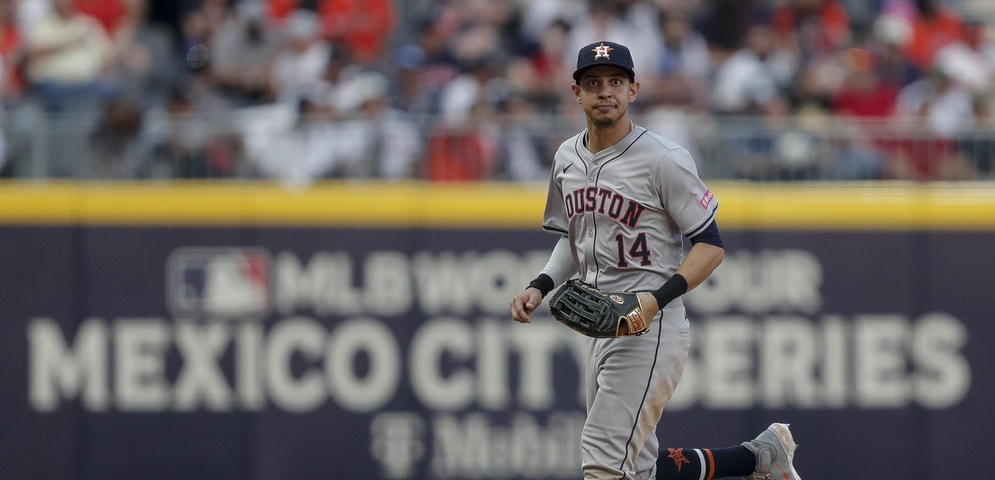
(245, 331)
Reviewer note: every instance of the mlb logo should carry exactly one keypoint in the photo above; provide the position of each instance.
(219, 281)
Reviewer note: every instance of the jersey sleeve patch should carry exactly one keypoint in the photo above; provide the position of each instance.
(706, 199)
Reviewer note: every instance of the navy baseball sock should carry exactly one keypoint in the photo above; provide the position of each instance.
(707, 463)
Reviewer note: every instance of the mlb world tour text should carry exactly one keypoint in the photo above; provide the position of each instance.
(357, 333)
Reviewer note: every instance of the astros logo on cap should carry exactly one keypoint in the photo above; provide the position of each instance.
(601, 51)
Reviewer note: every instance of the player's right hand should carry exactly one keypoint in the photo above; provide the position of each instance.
(524, 304)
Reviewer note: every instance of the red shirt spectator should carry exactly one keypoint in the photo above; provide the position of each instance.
(863, 94)
(277, 10)
(110, 13)
(933, 27)
(363, 26)
(11, 50)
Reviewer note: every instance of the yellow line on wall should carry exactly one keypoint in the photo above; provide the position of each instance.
(744, 206)
(240, 203)
(858, 206)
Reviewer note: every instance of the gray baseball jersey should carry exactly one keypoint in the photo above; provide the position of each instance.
(625, 210)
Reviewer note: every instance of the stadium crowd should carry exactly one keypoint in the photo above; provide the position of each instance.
(444, 90)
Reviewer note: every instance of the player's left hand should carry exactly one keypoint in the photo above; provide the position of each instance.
(649, 310)
(599, 313)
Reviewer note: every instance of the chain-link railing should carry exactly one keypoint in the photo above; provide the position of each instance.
(283, 143)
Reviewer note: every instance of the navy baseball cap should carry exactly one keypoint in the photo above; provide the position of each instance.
(604, 53)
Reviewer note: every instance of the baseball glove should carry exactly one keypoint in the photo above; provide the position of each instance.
(597, 313)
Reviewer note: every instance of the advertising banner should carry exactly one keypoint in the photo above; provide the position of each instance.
(307, 349)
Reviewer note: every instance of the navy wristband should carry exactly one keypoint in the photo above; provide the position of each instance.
(674, 287)
(543, 283)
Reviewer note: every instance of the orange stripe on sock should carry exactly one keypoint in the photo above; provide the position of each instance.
(711, 463)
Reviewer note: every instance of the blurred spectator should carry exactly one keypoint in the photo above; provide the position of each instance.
(114, 149)
(818, 27)
(5, 169)
(464, 144)
(483, 31)
(328, 95)
(982, 39)
(863, 93)
(863, 105)
(361, 138)
(845, 104)
(408, 93)
(545, 71)
(525, 154)
(777, 148)
(69, 58)
(12, 51)
(819, 80)
(945, 105)
(724, 23)
(30, 12)
(477, 86)
(194, 37)
(298, 142)
(539, 15)
(191, 137)
(240, 50)
(887, 44)
(980, 44)
(198, 26)
(300, 60)
(434, 65)
(214, 13)
(145, 54)
(978, 145)
(934, 26)
(750, 77)
(383, 143)
(862, 14)
(284, 142)
(110, 13)
(71, 72)
(364, 26)
(946, 109)
(672, 111)
(6, 166)
(684, 49)
(278, 10)
(467, 151)
(176, 140)
(839, 112)
(965, 66)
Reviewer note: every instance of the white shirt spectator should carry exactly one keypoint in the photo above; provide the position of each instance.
(69, 50)
(741, 82)
(946, 106)
(298, 68)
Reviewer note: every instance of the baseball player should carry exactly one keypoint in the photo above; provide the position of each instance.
(622, 199)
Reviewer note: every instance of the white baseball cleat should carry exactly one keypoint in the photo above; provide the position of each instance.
(775, 452)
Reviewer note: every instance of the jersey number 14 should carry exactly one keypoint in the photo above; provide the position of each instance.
(638, 250)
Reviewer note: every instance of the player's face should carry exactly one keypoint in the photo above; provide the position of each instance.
(605, 93)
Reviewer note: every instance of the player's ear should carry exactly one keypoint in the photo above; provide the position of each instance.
(633, 90)
(576, 91)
